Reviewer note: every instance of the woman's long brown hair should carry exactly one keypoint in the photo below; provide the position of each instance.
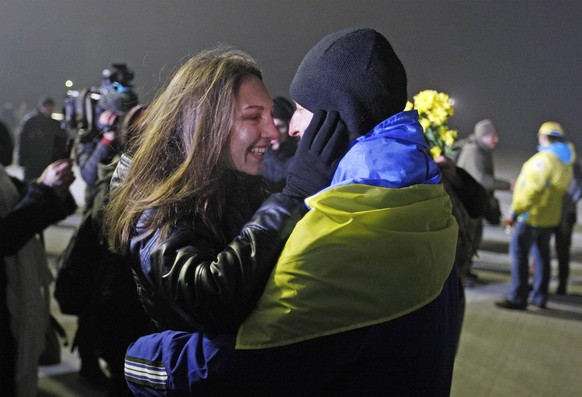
(183, 150)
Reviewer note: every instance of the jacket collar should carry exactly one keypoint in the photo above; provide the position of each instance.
(394, 154)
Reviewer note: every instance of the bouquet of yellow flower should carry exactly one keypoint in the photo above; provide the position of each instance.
(434, 109)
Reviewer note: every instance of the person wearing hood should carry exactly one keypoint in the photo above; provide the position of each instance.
(536, 210)
(364, 298)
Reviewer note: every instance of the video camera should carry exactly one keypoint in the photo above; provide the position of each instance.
(82, 108)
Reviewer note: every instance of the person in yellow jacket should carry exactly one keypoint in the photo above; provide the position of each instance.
(535, 212)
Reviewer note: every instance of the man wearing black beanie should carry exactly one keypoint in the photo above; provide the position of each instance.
(364, 294)
(356, 73)
(364, 299)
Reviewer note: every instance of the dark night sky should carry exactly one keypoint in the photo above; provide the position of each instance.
(516, 62)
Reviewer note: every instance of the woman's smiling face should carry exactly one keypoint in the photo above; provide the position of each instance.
(253, 128)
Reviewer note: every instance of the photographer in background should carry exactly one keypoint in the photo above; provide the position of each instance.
(96, 147)
(100, 144)
(112, 317)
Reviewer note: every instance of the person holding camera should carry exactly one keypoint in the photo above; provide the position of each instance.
(101, 148)
(94, 152)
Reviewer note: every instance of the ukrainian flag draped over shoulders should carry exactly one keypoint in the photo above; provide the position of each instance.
(377, 244)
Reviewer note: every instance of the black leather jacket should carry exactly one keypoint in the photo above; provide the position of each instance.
(192, 281)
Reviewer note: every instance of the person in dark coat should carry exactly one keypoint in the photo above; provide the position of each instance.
(6, 145)
(26, 209)
(565, 230)
(94, 153)
(113, 316)
(41, 140)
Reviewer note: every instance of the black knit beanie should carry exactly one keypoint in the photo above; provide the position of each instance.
(355, 72)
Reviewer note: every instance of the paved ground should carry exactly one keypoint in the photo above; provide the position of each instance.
(535, 353)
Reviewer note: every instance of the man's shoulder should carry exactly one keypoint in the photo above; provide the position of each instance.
(29, 118)
(543, 160)
(463, 141)
(547, 156)
(468, 149)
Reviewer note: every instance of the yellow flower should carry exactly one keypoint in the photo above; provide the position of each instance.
(434, 109)
(444, 102)
(435, 152)
(409, 106)
(425, 123)
(450, 137)
(438, 116)
(424, 101)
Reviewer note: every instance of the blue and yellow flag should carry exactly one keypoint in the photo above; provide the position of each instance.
(363, 255)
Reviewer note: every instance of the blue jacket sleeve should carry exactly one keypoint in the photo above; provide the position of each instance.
(89, 155)
(175, 363)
